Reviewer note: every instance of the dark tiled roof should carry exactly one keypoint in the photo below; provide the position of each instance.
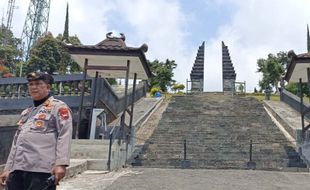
(304, 55)
(112, 43)
(113, 46)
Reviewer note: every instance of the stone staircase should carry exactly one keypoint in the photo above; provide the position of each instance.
(218, 130)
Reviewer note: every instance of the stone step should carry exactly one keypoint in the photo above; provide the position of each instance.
(77, 166)
(97, 164)
(223, 164)
(218, 130)
(89, 149)
(91, 180)
(89, 142)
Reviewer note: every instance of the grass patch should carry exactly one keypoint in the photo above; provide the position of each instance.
(261, 96)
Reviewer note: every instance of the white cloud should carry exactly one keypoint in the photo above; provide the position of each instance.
(161, 25)
(86, 20)
(259, 27)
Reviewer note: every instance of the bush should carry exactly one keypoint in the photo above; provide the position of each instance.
(177, 87)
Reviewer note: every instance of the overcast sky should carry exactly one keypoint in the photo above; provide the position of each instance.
(173, 29)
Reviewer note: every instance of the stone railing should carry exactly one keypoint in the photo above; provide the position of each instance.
(65, 85)
(14, 93)
(293, 101)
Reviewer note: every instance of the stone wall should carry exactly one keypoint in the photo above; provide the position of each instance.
(6, 138)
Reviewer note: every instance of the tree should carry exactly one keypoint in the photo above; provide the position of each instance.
(74, 40)
(163, 72)
(241, 88)
(66, 30)
(272, 69)
(111, 81)
(177, 87)
(294, 88)
(50, 55)
(255, 90)
(10, 54)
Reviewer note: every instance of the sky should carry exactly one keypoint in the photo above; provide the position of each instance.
(174, 29)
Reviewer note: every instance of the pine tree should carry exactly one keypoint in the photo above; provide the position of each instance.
(66, 30)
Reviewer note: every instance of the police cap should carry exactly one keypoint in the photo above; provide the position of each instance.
(47, 78)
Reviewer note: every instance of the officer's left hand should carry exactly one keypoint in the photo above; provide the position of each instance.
(59, 172)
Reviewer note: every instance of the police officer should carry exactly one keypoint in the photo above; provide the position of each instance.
(41, 145)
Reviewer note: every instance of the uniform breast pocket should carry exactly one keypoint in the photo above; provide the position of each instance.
(40, 122)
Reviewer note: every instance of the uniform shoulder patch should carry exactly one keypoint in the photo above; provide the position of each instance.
(64, 113)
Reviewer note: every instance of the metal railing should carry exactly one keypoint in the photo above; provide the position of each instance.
(113, 134)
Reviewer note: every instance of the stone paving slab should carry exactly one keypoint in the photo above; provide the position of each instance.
(177, 179)
(92, 180)
(172, 179)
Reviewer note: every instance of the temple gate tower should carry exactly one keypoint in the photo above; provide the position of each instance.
(229, 74)
(198, 70)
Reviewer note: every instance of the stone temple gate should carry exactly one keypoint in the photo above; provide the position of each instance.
(229, 74)
(198, 70)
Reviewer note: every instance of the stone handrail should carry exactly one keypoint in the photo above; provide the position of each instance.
(14, 93)
(293, 101)
(65, 85)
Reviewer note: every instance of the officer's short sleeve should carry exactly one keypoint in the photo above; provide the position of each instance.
(63, 116)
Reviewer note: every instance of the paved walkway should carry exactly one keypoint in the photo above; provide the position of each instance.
(177, 179)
